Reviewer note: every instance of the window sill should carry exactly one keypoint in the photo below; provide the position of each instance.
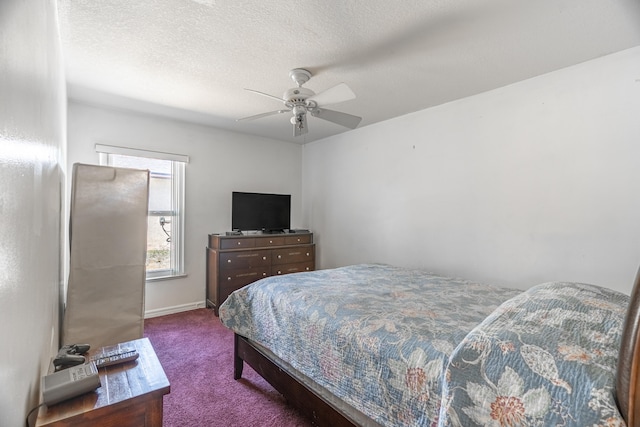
(163, 278)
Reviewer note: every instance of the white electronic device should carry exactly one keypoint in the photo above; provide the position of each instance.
(70, 382)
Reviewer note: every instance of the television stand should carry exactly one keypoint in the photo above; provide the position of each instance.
(235, 261)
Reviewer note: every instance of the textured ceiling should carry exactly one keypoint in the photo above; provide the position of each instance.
(192, 59)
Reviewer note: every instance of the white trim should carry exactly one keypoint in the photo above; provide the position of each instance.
(123, 151)
(148, 314)
(167, 277)
(177, 230)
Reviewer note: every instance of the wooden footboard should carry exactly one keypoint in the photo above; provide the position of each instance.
(308, 403)
(627, 382)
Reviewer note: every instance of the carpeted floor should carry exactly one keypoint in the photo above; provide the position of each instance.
(196, 352)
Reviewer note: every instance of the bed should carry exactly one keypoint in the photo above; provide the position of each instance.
(378, 345)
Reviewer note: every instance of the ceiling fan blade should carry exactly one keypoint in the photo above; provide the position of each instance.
(334, 95)
(342, 119)
(300, 127)
(259, 116)
(266, 94)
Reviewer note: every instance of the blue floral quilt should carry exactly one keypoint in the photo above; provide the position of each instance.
(546, 357)
(409, 348)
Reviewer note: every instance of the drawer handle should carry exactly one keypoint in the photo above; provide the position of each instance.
(298, 239)
(270, 241)
(264, 257)
(239, 243)
(229, 261)
(264, 274)
(279, 256)
(247, 274)
(307, 253)
(279, 272)
(307, 268)
(248, 255)
(228, 278)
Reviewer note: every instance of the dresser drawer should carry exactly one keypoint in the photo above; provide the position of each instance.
(292, 255)
(238, 243)
(235, 279)
(269, 241)
(297, 240)
(293, 268)
(244, 259)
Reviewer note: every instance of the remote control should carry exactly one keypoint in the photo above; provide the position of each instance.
(102, 362)
(112, 353)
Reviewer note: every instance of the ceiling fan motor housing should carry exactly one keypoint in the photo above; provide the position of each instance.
(295, 98)
(297, 94)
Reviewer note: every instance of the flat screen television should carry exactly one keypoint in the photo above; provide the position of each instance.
(260, 211)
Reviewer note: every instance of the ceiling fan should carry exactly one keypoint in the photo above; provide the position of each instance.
(300, 101)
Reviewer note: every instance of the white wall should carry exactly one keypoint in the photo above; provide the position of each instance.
(32, 168)
(220, 162)
(533, 182)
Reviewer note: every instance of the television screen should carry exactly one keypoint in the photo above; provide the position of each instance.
(260, 211)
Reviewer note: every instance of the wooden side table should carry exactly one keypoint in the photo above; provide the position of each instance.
(131, 394)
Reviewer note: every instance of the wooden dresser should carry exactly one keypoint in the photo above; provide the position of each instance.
(236, 261)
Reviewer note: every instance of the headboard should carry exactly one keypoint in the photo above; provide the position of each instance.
(627, 384)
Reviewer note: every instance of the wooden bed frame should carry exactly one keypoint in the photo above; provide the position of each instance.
(322, 413)
(627, 385)
(308, 403)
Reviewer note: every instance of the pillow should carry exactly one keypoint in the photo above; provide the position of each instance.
(547, 356)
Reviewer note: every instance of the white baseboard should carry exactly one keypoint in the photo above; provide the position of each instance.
(148, 314)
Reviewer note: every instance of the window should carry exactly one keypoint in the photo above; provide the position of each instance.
(165, 227)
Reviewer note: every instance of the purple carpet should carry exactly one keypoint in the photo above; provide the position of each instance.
(196, 352)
